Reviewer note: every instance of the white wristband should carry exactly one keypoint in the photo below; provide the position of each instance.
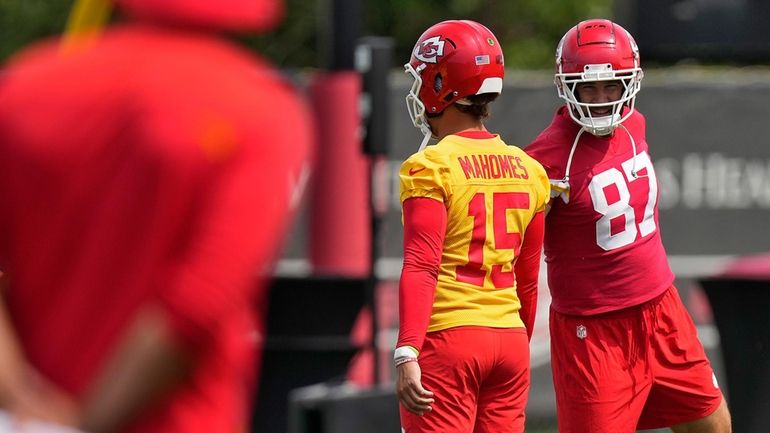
(403, 361)
(404, 352)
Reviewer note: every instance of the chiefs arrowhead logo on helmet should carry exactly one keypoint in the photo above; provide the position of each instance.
(430, 49)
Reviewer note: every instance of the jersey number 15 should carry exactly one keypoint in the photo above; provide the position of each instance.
(474, 272)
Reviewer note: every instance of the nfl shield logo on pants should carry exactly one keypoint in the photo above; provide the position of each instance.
(582, 332)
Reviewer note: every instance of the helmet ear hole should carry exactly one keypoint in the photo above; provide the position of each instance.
(438, 83)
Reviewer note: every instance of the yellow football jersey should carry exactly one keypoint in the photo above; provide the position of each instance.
(491, 192)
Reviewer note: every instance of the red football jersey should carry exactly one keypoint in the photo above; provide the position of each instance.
(156, 166)
(602, 241)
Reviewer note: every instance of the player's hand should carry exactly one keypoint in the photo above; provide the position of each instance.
(409, 390)
(31, 396)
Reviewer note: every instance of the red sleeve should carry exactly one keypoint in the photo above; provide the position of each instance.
(424, 229)
(527, 270)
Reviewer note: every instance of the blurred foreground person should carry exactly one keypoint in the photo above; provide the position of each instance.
(625, 354)
(473, 232)
(148, 176)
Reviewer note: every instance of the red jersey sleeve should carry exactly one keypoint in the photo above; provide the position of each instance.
(424, 228)
(527, 270)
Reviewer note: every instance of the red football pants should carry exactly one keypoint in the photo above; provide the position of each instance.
(480, 380)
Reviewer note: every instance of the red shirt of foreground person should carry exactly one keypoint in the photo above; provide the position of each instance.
(154, 168)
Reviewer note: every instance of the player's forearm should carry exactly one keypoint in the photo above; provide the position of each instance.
(415, 301)
(527, 270)
(146, 364)
(528, 311)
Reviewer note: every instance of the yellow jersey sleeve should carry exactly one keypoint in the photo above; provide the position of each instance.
(423, 176)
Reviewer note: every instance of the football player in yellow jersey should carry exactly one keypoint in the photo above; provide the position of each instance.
(473, 232)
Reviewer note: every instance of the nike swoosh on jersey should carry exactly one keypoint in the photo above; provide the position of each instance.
(413, 171)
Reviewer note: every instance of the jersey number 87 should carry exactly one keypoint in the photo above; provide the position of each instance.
(622, 207)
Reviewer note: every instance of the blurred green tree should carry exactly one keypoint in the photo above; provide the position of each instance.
(22, 21)
(527, 29)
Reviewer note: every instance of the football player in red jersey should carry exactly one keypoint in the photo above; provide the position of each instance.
(147, 179)
(624, 351)
(473, 230)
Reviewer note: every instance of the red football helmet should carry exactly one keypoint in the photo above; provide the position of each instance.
(598, 50)
(452, 60)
